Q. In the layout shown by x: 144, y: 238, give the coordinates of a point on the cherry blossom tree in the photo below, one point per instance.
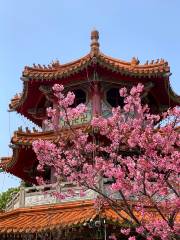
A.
x: 132, y: 156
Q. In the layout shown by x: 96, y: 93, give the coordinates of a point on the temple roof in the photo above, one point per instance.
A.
x: 58, y: 216
x: 24, y: 159
x: 56, y: 70
x: 64, y: 215
x: 132, y: 68
x: 21, y: 137
x: 156, y: 71
x: 24, y: 139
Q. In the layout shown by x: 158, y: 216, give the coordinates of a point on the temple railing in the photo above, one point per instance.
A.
x: 42, y: 195
x: 13, y: 203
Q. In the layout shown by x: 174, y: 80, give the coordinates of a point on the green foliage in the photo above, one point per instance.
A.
x: 5, y: 197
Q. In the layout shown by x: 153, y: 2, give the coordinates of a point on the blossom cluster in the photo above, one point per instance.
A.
x: 135, y: 150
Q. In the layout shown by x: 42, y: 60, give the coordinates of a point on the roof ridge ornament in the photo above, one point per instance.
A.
x: 134, y: 61
x: 94, y: 42
x: 55, y: 63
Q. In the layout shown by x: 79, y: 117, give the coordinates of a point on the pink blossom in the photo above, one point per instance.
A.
x: 138, y: 161
x: 132, y: 238
x: 140, y: 229
x: 58, y: 88
x: 123, y: 92
x: 126, y: 231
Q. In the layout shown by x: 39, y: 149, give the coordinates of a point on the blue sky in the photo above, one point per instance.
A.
x: 39, y: 31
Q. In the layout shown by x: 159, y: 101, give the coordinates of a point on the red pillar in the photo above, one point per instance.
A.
x: 96, y: 100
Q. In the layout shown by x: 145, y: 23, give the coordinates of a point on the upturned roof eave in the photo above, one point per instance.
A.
x: 57, y: 70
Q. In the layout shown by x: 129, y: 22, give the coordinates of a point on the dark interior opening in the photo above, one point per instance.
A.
x: 152, y: 104
x: 47, y: 173
x: 113, y: 98
x: 80, y: 97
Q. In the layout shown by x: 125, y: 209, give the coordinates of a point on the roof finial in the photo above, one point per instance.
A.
x: 134, y: 61
x: 55, y: 63
x: 94, y: 42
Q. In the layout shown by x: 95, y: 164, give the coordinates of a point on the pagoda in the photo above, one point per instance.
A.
x: 95, y: 79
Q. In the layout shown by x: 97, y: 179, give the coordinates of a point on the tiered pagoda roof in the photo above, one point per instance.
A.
x: 123, y: 72
x: 38, y: 81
